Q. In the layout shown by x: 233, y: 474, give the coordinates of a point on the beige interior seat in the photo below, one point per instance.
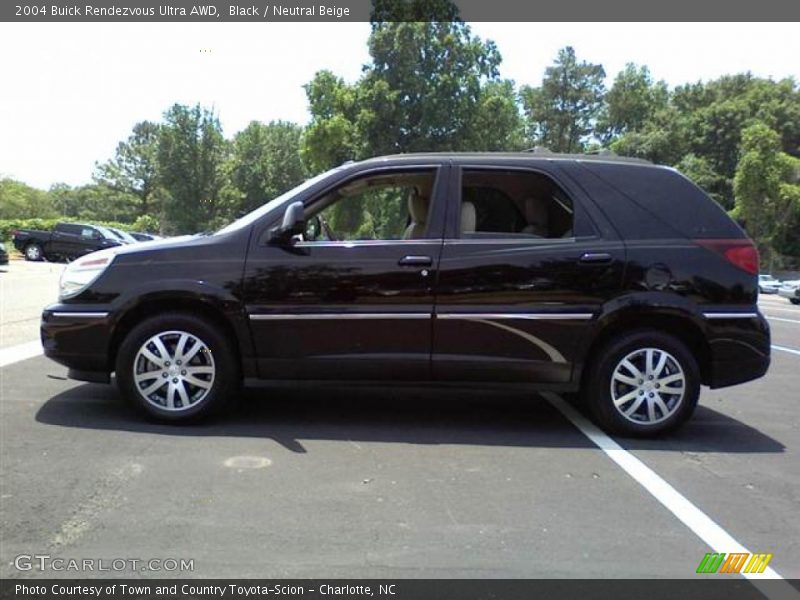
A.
x: 469, y: 217
x: 536, y: 214
x: 418, y: 207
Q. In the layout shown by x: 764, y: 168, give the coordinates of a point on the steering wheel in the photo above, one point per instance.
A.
x: 327, y: 229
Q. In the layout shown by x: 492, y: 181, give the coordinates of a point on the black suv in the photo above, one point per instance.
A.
x: 615, y: 278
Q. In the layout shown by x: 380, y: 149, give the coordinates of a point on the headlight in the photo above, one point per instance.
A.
x: 79, y: 274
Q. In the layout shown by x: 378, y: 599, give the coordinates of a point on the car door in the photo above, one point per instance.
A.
x: 65, y: 239
x: 524, y: 270
x: 353, y: 297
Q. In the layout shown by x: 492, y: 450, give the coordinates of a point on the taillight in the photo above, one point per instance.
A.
x: 741, y: 253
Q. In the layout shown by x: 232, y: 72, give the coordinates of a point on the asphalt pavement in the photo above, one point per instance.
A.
x: 389, y: 483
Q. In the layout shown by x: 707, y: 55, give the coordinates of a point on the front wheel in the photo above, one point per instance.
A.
x: 177, y: 367
x: 643, y: 383
x: 794, y: 300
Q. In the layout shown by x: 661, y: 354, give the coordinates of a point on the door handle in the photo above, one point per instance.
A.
x: 595, y: 258
x: 415, y: 261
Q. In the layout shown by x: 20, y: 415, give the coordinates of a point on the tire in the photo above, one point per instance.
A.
x: 609, y: 379
x: 192, y: 389
x: 34, y: 253
x: 794, y: 300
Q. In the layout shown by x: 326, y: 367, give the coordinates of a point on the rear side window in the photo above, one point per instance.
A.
x: 69, y: 228
x: 513, y: 204
x: 668, y: 196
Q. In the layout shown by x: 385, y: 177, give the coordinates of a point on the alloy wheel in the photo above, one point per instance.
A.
x: 174, y: 370
x: 647, y: 386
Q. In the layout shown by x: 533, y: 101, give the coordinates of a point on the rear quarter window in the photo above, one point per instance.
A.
x: 677, y: 203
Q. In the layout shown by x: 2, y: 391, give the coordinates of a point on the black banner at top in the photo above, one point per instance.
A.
x: 396, y: 10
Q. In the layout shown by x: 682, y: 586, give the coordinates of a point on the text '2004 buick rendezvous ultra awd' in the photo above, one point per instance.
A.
x: 615, y: 278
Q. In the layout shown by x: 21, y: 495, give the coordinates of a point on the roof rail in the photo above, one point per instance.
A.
x: 539, y: 150
x: 601, y: 152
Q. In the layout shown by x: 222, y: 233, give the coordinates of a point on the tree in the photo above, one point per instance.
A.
x: 21, y: 201
x: 431, y: 86
x: 134, y: 168
x: 699, y: 170
x: 191, y: 155
x: 562, y: 111
x: 767, y: 191
x: 631, y: 102
x: 266, y: 162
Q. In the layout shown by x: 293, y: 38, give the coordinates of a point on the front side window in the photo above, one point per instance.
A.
x: 513, y: 204
x: 383, y: 206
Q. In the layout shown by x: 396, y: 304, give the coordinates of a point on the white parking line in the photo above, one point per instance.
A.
x: 695, y: 519
x: 20, y: 352
x: 785, y: 349
x: 782, y: 320
x: 794, y: 311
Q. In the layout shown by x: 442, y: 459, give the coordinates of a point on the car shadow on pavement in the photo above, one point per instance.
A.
x: 392, y: 415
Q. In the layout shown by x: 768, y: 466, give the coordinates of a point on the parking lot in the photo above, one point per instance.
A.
x: 389, y: 483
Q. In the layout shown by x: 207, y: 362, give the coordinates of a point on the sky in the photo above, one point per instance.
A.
x: 72, y: 91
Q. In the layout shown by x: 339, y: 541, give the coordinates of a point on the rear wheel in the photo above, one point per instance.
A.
x: 794, y: 300
x: 177, y: 367
x: 643, y: 383
x: 33, y: 252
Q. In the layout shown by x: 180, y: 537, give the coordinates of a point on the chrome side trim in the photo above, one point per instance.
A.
x: 81, y: 315
x: 368, y: 243
x: 529, y: 241
x: 374, y: 316
x: 730, y: 315
x: 527, y: 316
x: 332, y: 316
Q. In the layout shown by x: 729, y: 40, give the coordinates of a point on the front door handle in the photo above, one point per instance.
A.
x: 595, y: 258
x: 415, y: 261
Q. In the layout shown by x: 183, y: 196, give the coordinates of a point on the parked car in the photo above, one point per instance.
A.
x: 767, y: 284
x: 615, y: 278
x: 790, y: 290
x: 66, y: 241
x: 124, y: 236
x: 3, y: 254
x: 145, y: 237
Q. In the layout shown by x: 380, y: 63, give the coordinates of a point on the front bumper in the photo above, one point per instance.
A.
x: 78, y: 338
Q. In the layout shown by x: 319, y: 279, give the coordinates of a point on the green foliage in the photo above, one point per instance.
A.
x: 134, y: 169
x: 265, y: 163
x: 631, y: 103
x: 767, y: 189
x: 18, y: 200
x: 191, y: 155
x: 431, y: 86
x: 562, y: 111
x: 699, y: 170
x: 146, y: 224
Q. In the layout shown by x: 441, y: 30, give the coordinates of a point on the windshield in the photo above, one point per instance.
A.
x: 254, y: 216
x: 107, y: 233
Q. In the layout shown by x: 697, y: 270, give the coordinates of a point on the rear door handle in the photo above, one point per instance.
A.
x: 415, y: 261
x: 595, y: 258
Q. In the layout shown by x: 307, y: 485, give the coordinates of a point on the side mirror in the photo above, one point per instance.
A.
x: 294, y: 223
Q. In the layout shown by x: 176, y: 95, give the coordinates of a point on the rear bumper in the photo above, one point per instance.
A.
x: 740, y: 349
x: 78, y: 339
